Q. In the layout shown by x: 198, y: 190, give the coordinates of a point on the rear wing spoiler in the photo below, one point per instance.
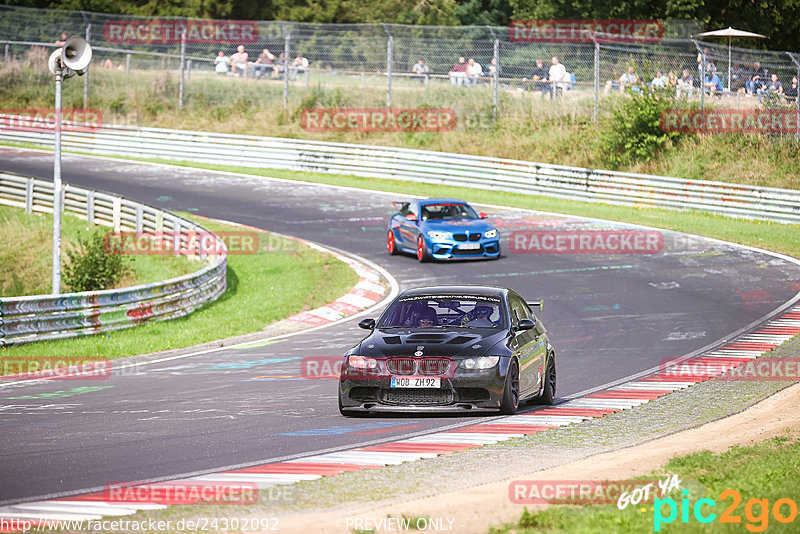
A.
x: 536, y: 304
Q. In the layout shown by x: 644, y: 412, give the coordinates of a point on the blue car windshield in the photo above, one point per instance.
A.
x: 444, y: 311
x: 447, y: 212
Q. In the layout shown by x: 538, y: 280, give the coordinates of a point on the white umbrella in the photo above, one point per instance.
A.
x: 730, y: 33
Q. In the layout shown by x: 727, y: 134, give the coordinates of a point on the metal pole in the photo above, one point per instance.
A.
x: 286, y: 66
x: 797, y: 96
x: 86, y: 72
x: 183, y: 69
x: 7, y: 53
x: 702, y: 75
x: 496, y: 76
x: 57, y: 188
x: 596, y: 78
x: 389, y: 61
x: 127, y: 63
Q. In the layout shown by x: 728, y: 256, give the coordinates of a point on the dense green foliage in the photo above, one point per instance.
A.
x: 779, y: 19
x: 91, y: 267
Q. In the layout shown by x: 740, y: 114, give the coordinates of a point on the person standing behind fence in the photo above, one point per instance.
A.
x: 239, y: 61
x: 458, y: 72
x: 421, y: 71
x: 221, y: 63
x: 474, y: 72
x: 557, y: 76
x: 63, y: 40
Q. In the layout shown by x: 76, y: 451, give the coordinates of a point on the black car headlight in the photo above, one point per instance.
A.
x: 480, y: 363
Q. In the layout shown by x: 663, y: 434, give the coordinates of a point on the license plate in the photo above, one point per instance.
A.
x: 416, y: 382
x: 469, y: 246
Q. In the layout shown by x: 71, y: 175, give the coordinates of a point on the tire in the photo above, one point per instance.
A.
x: 548, y: 394
x: 391, y: 244
x: 510, y: 402
x: 422, y: 252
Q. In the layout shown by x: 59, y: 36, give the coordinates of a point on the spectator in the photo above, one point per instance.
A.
x: 493, y: 68
x: 421, y: 72
x: 221, y: 63
x: 239, y: 61
x: 685, y: 86
x: 63, y: 40
x: 660, y: 81
x: 790, y: 94
x: 557, y: 75
x: 280, y: 66
x: 458, y: 72
x: 265, y: 61
x: 539, y: 78
x: 757, y: 78
x: 297, y: 66
x: 774, y: 87
x: 712, y: 83
x: 709, y: 63
x: 628, y: 79
x: 108, y: 64
x: 738, y: 78
x: 474, y: 72
x: 672, y: 79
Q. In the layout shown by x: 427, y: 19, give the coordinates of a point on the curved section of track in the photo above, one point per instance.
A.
x: 610, y: 316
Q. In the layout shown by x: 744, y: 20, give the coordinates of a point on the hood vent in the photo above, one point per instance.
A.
x: 426, y: 338
x: 460, y: 340
x: 393, y: 340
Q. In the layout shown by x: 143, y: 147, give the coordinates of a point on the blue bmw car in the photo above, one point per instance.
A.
x: 441, y: 229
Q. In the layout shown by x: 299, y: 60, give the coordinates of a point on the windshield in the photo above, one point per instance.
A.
x: 447, y: 212
x: 444, y: 311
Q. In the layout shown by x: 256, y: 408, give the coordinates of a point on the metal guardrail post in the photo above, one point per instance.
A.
x: 183, y: 70
x: 29, y: 195
x: 389, y: 61
x: 86, y: 73
x: 127, y: 63
x: 90, y: 207
x: 797, y: 96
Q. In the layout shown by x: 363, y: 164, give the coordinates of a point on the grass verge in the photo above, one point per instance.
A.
x: 760, y: 474
x: 25, y: 257
x: 284, y: 277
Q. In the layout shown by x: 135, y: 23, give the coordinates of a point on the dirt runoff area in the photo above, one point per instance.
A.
x: 475, y: 509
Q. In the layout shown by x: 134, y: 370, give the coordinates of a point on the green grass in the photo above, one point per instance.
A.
x: 766, y: 470
x: 283, y: 278
x: 26, y: 254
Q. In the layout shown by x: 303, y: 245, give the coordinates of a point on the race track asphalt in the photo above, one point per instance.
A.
x: 609, y: 316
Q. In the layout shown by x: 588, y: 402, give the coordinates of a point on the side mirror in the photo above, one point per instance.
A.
x: 367, y: 324
x: 483, y: 215
x: 411, y: 217
x: 525, y: 324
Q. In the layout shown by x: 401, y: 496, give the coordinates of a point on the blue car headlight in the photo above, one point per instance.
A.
x: 440, y: 236
x: 491, y: 233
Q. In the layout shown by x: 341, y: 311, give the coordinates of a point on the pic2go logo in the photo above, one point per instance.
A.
x: 757, y: 511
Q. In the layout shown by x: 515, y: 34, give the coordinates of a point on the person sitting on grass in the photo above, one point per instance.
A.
x: 221, y: 63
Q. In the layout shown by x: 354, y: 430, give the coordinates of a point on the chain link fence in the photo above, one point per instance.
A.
x: 481, y: 73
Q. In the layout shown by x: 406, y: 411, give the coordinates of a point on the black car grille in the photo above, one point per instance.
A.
x: 433, y: 366
x: 463, y: 237
x: 459, y: 252
x: 418, y: 396
x: 401, y: 366
x: 425, y: 366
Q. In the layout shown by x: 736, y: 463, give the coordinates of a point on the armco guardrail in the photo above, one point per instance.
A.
x: 574, y: 183
x: 41, y: 317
